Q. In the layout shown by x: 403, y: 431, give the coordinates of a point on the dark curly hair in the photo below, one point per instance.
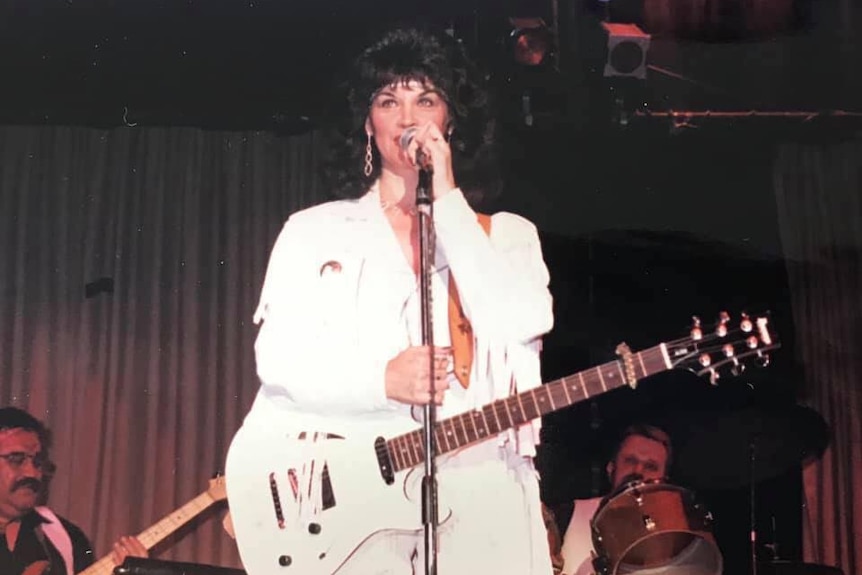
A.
x: 15, y: 418
x: 400, y: 56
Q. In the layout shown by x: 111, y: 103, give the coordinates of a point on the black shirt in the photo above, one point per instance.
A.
x: 33, y: 546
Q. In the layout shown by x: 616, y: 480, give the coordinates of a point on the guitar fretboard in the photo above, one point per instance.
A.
x: 157, y: 532
x: 408, y: 450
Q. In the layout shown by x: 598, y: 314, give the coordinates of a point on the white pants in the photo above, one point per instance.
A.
x: 495, y: 526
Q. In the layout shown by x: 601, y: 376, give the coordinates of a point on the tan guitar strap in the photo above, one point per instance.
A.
x: 460, y: 330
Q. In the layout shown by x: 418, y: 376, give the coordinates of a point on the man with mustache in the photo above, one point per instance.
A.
x: 642, y: 460
x: 643, y: 452
x: 34, y: 540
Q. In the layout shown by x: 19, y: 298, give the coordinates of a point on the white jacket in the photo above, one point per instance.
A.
x: 334, y: 302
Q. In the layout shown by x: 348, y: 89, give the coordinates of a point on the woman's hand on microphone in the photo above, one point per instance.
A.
x: 436, y: 155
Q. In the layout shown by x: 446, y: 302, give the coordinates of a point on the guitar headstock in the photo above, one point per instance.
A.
x: 729, y: 343
x: 217, y: 489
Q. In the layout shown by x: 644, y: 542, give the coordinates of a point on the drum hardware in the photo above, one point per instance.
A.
x: 743, y: 447
x: 751, y: 502
x: 649, y: 523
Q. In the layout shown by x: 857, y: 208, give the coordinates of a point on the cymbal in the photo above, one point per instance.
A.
x: 732, y: 449
x: 795, y: 568
x: 712, y: 449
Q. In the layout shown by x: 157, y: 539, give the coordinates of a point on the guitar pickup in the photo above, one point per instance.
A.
x: 276, y: 501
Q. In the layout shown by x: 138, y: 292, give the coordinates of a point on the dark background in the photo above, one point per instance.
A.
x: 645, y: 222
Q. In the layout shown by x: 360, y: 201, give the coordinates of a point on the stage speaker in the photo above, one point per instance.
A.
x: 627, y: 50
x: 141, y: 566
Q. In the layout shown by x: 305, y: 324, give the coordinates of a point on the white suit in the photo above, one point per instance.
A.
x: 339, y: 301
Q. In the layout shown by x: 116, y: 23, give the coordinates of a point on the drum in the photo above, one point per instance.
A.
x: 654, y: 527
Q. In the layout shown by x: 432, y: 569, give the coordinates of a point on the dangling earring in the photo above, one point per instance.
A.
x: 369, y: 160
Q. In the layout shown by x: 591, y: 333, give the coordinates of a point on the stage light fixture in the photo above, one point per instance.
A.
x: 532, y: 42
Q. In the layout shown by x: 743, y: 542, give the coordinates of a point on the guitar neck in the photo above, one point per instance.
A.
x: 156, y: 533
x: 408, y: 451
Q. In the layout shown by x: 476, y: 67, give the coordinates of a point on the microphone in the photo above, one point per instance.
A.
x: 422, y: 159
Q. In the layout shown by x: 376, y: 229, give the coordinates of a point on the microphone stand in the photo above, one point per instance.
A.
x: 752, y: 518
x: 426, y: 258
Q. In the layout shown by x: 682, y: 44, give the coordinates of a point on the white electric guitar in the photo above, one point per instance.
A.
x: 304, y: 506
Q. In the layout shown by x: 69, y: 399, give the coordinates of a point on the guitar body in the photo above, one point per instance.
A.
x: 305, y: 506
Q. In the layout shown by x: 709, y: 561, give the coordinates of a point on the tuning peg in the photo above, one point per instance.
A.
x: 763, y: 330
x: 746, y: 325
x: 721, y: 327
x: 696, y: 331
x: 762, y: 359
x: 738, y: 368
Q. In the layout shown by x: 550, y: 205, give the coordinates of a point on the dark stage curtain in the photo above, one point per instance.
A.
x: 130, y: 266
x: 699, y: 17
x: 820, y: 217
